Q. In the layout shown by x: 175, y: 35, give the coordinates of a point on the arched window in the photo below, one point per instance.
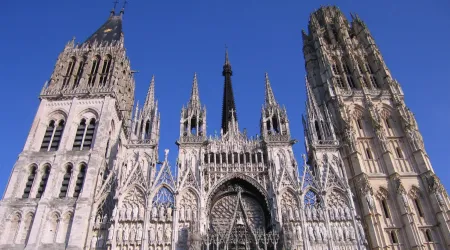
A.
x: 359, y: 122
x: 147, y: 130
x: 52, y: 136
x: 369, y: 154
x: 51, y: 228
x: 428, y: 235
x: 43, y: 183
x: 65, y: 182
x: 211, y: 157
x: 69, y: 72
x: 385, y: 208
x: 310, y: 198
x: 319, y: 135
x: 247, y: 157
x: 259, y: 155
x: 105, y: 70
x: 418, y: 207
x: 230, y: 158
x: 80, y: 181
x: 84, y: 135
x: 394, y: 238
x: 217, y: 158
x: 27, y: 223
x: 79, y: 74
x: 241, y: 158
x: 30, y: 181
x: 13, y: 228
x: 339, y: 82
x: 94, y: 71
x: 388, y: 124
x: 399, y: 152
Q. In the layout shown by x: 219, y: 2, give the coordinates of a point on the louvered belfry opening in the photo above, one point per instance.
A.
x: 89, y: 136
x: 85, y: 135
x: 43, y: 183
x: 48, y: 136
x: 65, y: 182
x: 30, y: 181
x: 80, y: 181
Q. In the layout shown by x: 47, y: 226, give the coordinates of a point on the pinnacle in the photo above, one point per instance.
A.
x: 269, y: 98
x: 195, y: 98
x: 150, y: 100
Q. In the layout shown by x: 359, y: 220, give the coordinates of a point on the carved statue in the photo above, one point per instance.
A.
x: 133, y: 233
x: 152, y: 235
x: 348, y: 214
x: 320, y: 214
x: 168, y: 234
x: 311, y: 234
x: 135, y: 212
x: 440, y: 198
x: 119, y: 233
x: 317, y: 233
x: 369, y: 200
x: 382, y: 138
x: 335, y: 233
x: 128, y: 213
x: 341, y: 213
x: 100, y: 242
x: 139, y: 233
x: 314, y: 213
x: 336, y: 213
x: 194, y: 215
x: 331, y: 213
x: 297, y: 214
x: 323, y: 232
x: 160, y: 233
x: 182, y: 214
x: 308, y: 214
x: 405, y: 199
x: 105, y: 218
x: 362, y: 235
x: 340, y: 233
x: 291, y: 214
x: 188, y: 214
x: 94, y: 242
x: 346, y: 234
x: 351, y: 232
x: 154, y: 213
x: 299, y: 232
x: 111, y: 232
x: 126, y: 233
x: 114, y: 212
x: 162, y: 217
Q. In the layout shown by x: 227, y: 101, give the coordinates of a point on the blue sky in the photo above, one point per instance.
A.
x: 173, y: 39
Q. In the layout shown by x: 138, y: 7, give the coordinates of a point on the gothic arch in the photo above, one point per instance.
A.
x: 88, y: 114
x: 57, y: 115
x: 159, y: 187
x: 239, y: 176
x: 415, y: 192
x: 382, y: 194
x: 135, y: 186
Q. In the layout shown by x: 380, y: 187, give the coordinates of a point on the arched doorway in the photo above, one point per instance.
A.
x: 237, y: 213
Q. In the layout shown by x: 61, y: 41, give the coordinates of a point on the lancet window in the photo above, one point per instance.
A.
x: 80, y: 181
x: 30, y: 181
x: 51, y: 228
x: 52, y: 136
x: 13, y: 228
x: 418, y: 206
x: 84, y: 135
x: 44, y: 179
x: 94, y: 71
x: 394, y: 238
x: 69, y: 72
x: 65, y: 182
x: 385, y: 208
x: 105, y: 70
x: 79, y: 74
x: 428, y: 235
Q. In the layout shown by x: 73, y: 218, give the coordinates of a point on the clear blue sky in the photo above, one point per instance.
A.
x: 173, y: 39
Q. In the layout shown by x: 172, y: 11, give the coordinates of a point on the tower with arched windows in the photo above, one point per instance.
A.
x: 371, y: 135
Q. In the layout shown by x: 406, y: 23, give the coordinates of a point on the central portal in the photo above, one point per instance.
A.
x: 238, y: 212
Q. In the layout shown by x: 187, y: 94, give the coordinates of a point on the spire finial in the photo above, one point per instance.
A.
x: 122, y: 11
x: 113, y: 11
x: 195, y: 98
x: 269, y: 98
x: 227, y: 62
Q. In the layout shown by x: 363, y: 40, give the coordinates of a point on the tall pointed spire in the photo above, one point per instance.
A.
x: 228, y: 105
x: 150, y: 99
x: 312, y: 108
x: 269, y: 98
x: 194, y: 102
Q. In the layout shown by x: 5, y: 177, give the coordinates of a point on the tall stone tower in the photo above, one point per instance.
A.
x: 359, y: 117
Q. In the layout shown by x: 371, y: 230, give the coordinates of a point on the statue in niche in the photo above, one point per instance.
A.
x: 182, y: 214
x: 105, y: 219
x: 168, y: 234
x: 340, y: 233
x: 369, y: 200
x: 139, y: 233
x: 348, y: 214
x: 154, y: 213
x: 119, y: 233
x: 133, y: 233
x: 362, y: 235
x: 169, y: 213
x: 128, y: 213
x: 161, y: 214
x: 126, y: 233
x: 352, y: 233
x: 405, y: 199
x: 194, y: 215
x: 341, y: 213
x: 111, y: 232
x: 291, y: 215
x: 114, y: 212
x: 314, y: 213
x: 308, y: 214
x: 336, y: 213
x: 122, y: 213
x: 320, y: 214
x: 323, y: 232
x: 297, y: 214
x: 331, y: 213
x: 135, y: 212
x: 317, y: 233
x: 299, y: 232
x: 440, y: 198
x: 188, y: 214
x: 346, y: 234
x: 160, y: 233
x: 311, y: 233
x: 152, y: 235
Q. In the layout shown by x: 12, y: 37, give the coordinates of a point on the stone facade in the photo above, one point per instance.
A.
x: 89, y: 176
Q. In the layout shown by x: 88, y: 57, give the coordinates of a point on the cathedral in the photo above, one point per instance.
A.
x: 90, y: 177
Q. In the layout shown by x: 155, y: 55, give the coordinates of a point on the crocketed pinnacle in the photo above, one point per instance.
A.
x: 194, y: 102
x: 228, y: 104
x: 269, y: 97
x: 150, y: 99
x: 312, y: 108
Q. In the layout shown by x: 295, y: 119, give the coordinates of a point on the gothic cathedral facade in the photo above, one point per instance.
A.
x: 89, y: 175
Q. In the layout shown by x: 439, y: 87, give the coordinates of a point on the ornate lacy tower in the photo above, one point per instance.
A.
x: 358, y: 118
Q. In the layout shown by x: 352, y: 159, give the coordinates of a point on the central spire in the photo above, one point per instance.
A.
x: 228, y: 105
